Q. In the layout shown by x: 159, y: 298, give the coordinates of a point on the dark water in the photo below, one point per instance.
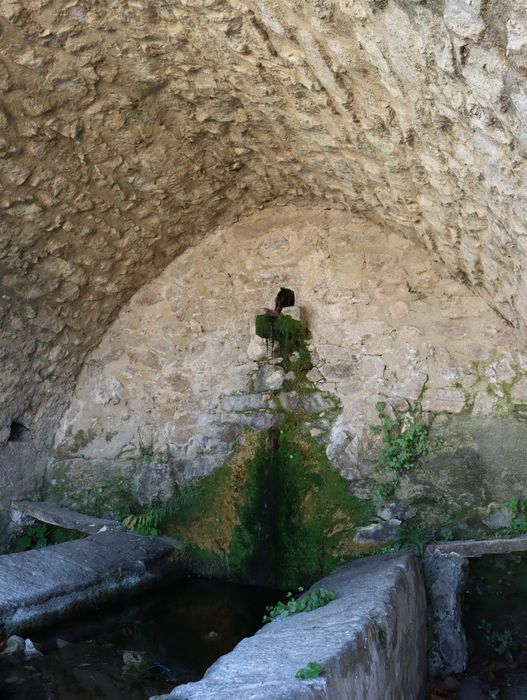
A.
x: 495, y: 620
x: 177, y: 633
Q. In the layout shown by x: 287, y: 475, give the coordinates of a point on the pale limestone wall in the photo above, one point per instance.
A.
x: 130, y: 129
x: 176, y: 368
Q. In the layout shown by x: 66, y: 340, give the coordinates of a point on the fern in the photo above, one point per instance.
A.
x: 148, y: 522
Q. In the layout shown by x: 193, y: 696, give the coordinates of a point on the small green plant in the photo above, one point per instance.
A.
x: 405, y: 439
x: 42, y: 535
x: 386, y: 489
x: 386, y: 549
x: 310, y: 601
x: 149, y: 521
x: 501, y: 642
x: 146, y: 451
x: 312, y: 670
x: 410, y: 536
x: 517, y: 527
x: 446, y: 535
x: 517, y: 506
x: 34, y: 537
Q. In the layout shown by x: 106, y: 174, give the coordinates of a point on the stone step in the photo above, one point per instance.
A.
x: 53, y: 514
x: 479, y: 548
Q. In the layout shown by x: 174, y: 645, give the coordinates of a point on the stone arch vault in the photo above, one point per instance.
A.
x: 130, y: 129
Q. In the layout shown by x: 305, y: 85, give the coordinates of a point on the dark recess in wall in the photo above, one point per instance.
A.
x: 284, y: 298
x: 19, y: 432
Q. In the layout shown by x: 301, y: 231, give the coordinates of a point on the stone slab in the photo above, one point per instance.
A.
x: 371, y: 642
x: 479, y: 548
x: 445, y: 578
x: 39, y: 586
x: 53, y: 514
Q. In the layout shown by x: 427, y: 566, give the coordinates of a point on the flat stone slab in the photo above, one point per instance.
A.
x: 41, y: 585
x: 54, y: 514
x: 479, y: 548
x: 371, y: 642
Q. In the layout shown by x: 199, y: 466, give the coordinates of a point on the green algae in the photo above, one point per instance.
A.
x: 286, y: 337
x: 278, y: 514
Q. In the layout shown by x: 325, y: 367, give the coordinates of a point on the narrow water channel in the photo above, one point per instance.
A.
x: 141, y: 648
x: 495, y: 620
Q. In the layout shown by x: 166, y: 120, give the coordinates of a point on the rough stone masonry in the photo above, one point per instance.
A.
x: 131, y: 130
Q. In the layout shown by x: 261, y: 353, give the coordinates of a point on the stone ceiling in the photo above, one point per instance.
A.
x: 129, y: 129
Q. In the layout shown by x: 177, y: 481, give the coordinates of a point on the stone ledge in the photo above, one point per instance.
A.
x: 54, y: 514
x: 39, y: 586
x: 479, y: 548
x: 363, y: 639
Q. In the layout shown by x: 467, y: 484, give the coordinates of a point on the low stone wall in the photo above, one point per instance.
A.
x: 41, y: 586
x: 371, y: 642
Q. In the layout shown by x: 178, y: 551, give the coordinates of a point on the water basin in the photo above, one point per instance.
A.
x: 141, y: 648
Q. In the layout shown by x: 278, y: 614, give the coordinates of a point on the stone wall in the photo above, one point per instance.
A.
x: 128, y: 130
x: 370, y: 642
x: 181, y: 372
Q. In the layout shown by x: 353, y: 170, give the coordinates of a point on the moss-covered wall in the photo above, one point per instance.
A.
x: 277, y: 514
x: 184, y: 372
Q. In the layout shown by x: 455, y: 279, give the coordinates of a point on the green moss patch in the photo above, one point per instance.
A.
x: 288, y: 338
x: 278, y: 514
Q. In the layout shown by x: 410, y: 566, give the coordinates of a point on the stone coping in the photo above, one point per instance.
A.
x: 41, y: 585
x: 53, y: 514
x: 371, y: 642
x: 479, y: 548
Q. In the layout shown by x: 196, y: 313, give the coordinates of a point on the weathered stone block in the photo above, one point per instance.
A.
x: 269, y: 378
x: 463, y: 18
x: 445, y: 577
x: 500, y: 518
x: 379, y: 532
x: 293, y: 311
x: 304, y: 403
x: 244, y: 402
x: 519, y: 391
x: 445, y: 399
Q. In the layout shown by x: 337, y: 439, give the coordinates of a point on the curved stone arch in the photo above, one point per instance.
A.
x: 128, y: 132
